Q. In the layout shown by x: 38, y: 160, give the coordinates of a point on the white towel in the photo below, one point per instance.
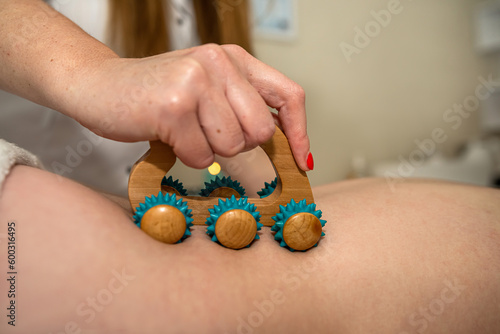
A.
x: 11, y: 155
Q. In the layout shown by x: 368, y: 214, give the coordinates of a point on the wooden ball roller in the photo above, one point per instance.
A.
x: 225, y: 192
x: 302, y: 231
x: 170, y: 190
x: 236, y: 228
x: 164, y: 223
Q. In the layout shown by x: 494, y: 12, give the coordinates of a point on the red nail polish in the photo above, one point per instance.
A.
x: 310, y: 161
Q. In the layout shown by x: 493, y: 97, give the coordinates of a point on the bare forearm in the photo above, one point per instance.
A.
x: 201, y: 101
x: 44, y: 55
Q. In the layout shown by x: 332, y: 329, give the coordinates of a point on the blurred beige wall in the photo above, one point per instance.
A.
x: 394, y: 91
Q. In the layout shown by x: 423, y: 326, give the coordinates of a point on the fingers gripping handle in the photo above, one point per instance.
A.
x: 147, y: 173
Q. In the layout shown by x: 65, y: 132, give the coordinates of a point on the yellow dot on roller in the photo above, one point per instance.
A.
x: 214, y: 169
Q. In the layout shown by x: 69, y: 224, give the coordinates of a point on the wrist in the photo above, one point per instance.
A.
x: 79, y: 82
x: 97, y: 96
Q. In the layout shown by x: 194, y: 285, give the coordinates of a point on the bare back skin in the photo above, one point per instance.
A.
x: 421, y: 258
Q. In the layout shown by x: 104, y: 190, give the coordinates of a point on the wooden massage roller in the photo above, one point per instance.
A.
x: 165, y: 212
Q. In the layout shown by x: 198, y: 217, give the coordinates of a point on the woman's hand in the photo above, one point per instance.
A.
x: 201, y: 101
x: 204, y: 100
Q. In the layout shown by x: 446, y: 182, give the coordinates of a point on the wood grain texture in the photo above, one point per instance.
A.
x: 224, y: 192
x: 302, y: 231
x: 147, y: 173
x: 236, y: 228
x: 168, y: 189
x: 164, y: 223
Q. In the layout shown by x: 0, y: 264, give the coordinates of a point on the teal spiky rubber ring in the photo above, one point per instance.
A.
x: 174, y: 184
x: 268, y: 188
x: 233, y: 223
x: 165, y: 200
x: 224, y: 182
x: 291, y: 210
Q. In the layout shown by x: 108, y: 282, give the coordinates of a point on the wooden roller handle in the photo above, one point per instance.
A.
x: 149, y: 170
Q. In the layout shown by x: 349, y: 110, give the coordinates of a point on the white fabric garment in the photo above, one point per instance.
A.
x: 62, y: 144
x: 11, y: 155
x: 91, y: 16
x: 182, y: 32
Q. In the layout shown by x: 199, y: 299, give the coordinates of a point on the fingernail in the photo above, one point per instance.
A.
x: 310, y: 161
